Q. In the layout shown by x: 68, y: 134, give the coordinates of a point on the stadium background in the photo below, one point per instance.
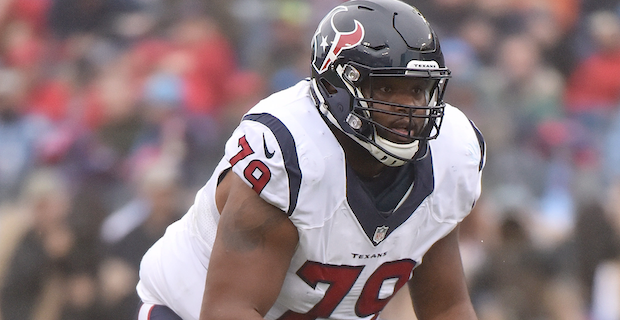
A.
x: 114, y: 112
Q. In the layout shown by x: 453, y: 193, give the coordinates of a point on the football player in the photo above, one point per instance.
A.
x: 333, y: 194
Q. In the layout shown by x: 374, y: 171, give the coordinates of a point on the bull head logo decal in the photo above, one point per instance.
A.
x: 342, y: 40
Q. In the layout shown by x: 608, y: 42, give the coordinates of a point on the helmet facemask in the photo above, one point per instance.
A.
x: 411, y: 125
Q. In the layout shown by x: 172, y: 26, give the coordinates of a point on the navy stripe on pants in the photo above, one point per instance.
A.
x: 156, y: 312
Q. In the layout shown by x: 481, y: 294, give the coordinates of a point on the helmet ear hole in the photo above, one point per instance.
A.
x: 328, y: 86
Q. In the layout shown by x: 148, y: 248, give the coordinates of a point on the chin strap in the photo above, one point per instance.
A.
x: 403, y: 151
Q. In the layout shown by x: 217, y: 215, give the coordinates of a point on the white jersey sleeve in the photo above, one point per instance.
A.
x: 458, y: 158
x: 256, y: 156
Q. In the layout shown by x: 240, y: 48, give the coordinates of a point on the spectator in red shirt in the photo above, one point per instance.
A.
x: 594, y: 85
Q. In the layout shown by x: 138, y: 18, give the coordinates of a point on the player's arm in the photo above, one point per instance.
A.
x: 253, y: 248
x: 438, y: 287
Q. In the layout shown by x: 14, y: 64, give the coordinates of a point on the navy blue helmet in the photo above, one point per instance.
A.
x: 361, y: 41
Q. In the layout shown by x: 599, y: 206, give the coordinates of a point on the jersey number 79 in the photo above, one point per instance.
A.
x: 341, y: 280
x: 256, y: 172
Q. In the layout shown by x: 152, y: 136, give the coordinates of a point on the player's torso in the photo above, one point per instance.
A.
x: 338, y: 273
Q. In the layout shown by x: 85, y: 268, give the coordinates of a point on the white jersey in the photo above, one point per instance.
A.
x: 351, y: 258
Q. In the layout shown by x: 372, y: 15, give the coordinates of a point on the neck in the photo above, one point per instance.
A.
x: 360, y: 160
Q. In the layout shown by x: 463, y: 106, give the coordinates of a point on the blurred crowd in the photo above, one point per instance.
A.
x: 114, y: 112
